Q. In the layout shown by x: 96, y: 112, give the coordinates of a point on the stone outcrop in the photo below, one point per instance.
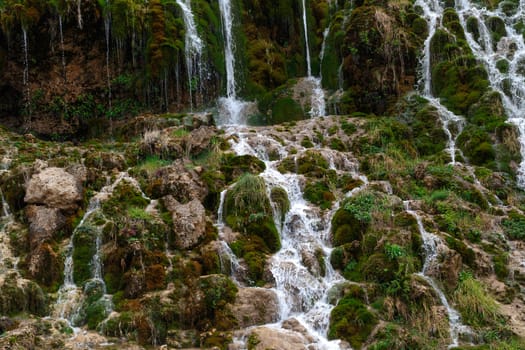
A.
x: 189, y: 221
x: 55, y: 188
x: 44, y: 222
x: 255, y: 306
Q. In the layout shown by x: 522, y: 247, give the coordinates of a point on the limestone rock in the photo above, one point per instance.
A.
x: 44, y: 222
x: 181, y: 183
x: 278, y: 339
x: 189, y: 221
x: 255, y: 306
x: 55, y: 188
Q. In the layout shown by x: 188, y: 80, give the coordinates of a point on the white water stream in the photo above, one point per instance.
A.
x: 430, y: 246
x: 70, y: 296
x: 302, y: 289
x: 510, y: 48
x: 232, y: 110
x: 193, y: 49
x: 452, y: 123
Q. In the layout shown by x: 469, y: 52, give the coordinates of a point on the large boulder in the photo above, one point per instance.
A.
x: 189, y: 221
x: 255, y: 306
x: 55, y: 188
x: 278, y: 339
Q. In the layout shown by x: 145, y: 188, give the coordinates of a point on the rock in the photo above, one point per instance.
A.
x: 255, y: 306
x: 22, y: 338
x: 44, y: 264
x: 294, y: 325
x: 277, y: 339
x: 6, y: 324
x: 199, y: 140
x: 55, y: 188
x: 44, y: 222
x: 181, y: 183
x: 189, y: 221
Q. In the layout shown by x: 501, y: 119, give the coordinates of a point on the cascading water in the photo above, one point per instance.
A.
x: 430, y: 246
x: 193, y: 49
x: 232, y: 110
x: 8, y: 262
x: 317, y: 101
x: 107, y: 31
x: 61, y: 32
x: 433, y: 12
x: 79, y: 14
x: 70, y: 296
x: 508, y: 51
x: 302, y: 291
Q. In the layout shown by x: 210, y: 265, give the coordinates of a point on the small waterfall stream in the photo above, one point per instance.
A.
x: 430, y: 246
x: 193, y: 49
x: 232, y: 110
x: 318, y: 105
x: 302, y: 290
x: 452, y: 124
x: 508, y: 51
x: 71, y: 296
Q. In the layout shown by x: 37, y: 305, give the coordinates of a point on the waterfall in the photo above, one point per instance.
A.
x: 317, y: 101
x: 302, y: 291
x: 307, y: 45
x: 193, y: 49
x: 61, y: 32
x: 430, y: 246
x: 432, y: 12
x: 79, y: 14
x: 510, y: 83
x: 232, y: 110
x: 107, y: 30
x: 70, y: 296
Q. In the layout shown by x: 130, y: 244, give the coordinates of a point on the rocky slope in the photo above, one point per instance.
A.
x: 394, y: 222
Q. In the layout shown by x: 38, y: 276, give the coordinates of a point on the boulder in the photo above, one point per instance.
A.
x: 181, y: 183
x: 278, y: 339
x: 44, y: 222
x: 255, y: 306
x: 55, y: 188
x: 189, y: 221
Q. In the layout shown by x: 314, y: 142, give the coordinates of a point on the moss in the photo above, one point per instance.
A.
x: 218, y: 291
x: 346, y: 227
x: 84, y: 249
x: 319, y: 193
x: 96, y: 312
x: 467, y: 254
x: 514, y: 226
x: 279, y: 197
x: 235, y: 166
x: 284, y: 110
x: 350, y: 320
x: 312, y: 164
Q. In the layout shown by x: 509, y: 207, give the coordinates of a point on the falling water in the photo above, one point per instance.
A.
x: 302, y: 292
x: 79, y: 14
x: 307, y: 45
x: 70, y: 296
x: 432, y: 12
x: 107, y: 29
x: 62, y: 47
x: 317, y: 101
x: 193, y: 49
x: 26, y: 59
x: 232, y: 110
x: 509, y: 83
x: 430, y: 246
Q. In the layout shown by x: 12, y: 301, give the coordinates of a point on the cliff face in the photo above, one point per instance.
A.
x: 112, y: 60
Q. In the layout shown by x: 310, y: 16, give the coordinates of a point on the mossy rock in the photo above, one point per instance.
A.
x: 265, y: 229
x: 218, y: 290
x: 379, y: 268
x: 84, y: 239
x: 235, y: 166
x: 284, y: 110
x: 319, y: 194
x: 312, y: 164
x: 246, y: 197
x: 280, y: 199
x: 16, y: 299
x: 350, y: 320
x: 346, y: 227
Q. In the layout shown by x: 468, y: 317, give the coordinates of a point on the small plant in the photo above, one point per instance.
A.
x: 394, y: 251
